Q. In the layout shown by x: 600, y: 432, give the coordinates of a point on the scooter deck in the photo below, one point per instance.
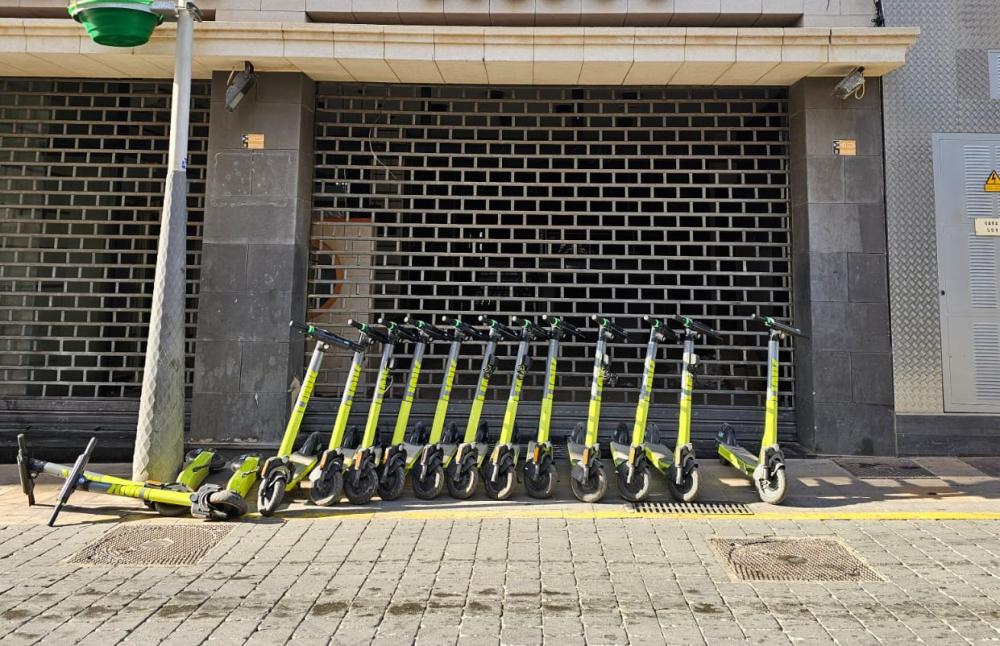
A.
x: 302, y: 466
x: 660, y: 456
x: 739, y: 457
x: 575, y: 451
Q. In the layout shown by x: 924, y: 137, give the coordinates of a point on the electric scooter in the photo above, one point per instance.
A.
x: 539, y: 469
x: 499, y: 470
x: 429, y: 477
x: 587, y: 478
x: 285, y: 471
x: 209, y: 501
x: 464, y: 454
x: 328, y: 477
x: 361, y: 464
x: 401, y: 455
x: 767, y: 468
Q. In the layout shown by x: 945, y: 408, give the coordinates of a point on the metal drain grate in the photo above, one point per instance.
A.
x: 693, y: 508
x: 792, y: 559
x: 152, y: 545
x: 989, y: 466
x: 883, y: 468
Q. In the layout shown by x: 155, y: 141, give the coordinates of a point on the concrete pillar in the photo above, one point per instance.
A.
x: 844, y: 370
x: 254, y: 262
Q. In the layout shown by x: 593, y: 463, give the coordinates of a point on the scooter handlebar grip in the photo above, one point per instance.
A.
x: 405, y: 332
x: 369, y: 331
x: 468, y: 330
x: 775, y: 325
x: 299, y: 327
x: 432, y: 331
x: 500, y: 328
x: 534, y: 330
x: 334, y: 339
x: 613, y: 329
x: 697, y: 326
x: 565, y: 326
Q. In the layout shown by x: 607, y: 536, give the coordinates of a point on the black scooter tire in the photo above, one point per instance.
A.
x: 641, y: 481
x: 503, y: 488
x: 361, y: 489
x: 462, y: 488
x: 226, y: 505
x: 390, y: 485
x: 594, y: 489
x: 774, y: 490
x: 541, y: 486
x: 687, y: 490
x: 327, y: 489
x: 430, y: 487
x: 270, y: 493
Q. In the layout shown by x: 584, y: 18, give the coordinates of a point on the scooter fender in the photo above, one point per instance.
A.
x: 274, y: 462
x: 533, y: 469
x: 774, y: 459
x: 503, y: 457
x: 431, y: 458
x: 361, y: 461
x: 393, y: 457
x: 331, y: 459
x: 581, y: 469
x: 199, y: 501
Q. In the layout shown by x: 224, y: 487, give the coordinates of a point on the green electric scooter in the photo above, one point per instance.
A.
x: 361, y: 464
x: 285, y: 471
x: 429, y: 476
x: 767, y: 468
x: 539, y: 468
x: 328, y: 478
x: 464, y: 454
x: 208, y: 501
x: 588, y: 480
x: 404, y: 451
x: 499, y: 470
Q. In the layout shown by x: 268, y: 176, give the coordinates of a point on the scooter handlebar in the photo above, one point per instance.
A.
x: 499, y: 328
x: 396, y: 330
x: 532, y: 329
x: 561, y: 324
x: 369, y: 331
x: 431, y: 331
x: 697, y: 326
x: 661, y: 328
x: 325, y: 336
x: 72, y: 480
x: 466, y: 329
x: 616, y: 332
x: 770, y: 323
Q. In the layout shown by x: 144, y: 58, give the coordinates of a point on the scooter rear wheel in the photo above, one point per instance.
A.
x: 639, y: 488
x: 462, y: 487
x: 328, y: 487
x: 226, y: 505
x: 542, y: 485
x: 390, y: 485
x: 271, y: 493
x: 430, y: 487
x: 361, y: 489
x: 687, y: 490
x: 594, y: 488
x: 503, y: 487
x: 773, y: 490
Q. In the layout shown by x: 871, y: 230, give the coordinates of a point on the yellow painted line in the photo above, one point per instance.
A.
x: 598, y: 514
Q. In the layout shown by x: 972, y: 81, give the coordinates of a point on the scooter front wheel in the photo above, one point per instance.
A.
x: 772, y: 490
x: 687, y: 490
x: 390, y: 485
x: 327, y: 488
x: 361, y: 488
x: 503, y: 487
x: 542, y: 484
x: 594, y: 488
x: 271, y: 493
x: 463, y: 486
x: 431, y: 486
x: 226, y: 505
x: 639, y: 487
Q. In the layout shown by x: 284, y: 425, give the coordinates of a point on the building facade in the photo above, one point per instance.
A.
x: 504, y: 158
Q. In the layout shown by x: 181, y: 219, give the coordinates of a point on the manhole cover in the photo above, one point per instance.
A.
x: 152, y: 545
x: 694, y: 508
x: 883, y: 468
x: 989, y: 466
x: 792, y: 559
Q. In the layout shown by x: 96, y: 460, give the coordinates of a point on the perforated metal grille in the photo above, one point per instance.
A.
x: 792, y: 559
x: 527, y: 201
x: 671, y: 508
x: 152, y: 544
x: 82, y: 165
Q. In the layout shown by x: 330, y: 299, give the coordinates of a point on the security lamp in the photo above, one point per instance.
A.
x: 852, y: 84
x: 239, y: 84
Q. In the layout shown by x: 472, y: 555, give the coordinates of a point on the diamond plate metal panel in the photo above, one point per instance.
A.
x: 944, y: 87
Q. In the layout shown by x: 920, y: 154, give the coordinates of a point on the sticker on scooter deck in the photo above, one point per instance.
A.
x: 152, y: 544
x: 871, y: 468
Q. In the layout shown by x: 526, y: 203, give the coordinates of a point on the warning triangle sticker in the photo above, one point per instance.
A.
x: 993, y: 183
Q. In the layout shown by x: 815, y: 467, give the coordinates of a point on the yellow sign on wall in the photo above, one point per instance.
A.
x: 993, y: 183
x: 253, y: 141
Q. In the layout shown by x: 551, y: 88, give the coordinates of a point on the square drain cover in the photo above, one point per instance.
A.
x: 694, y: 508
x: 792, y: 559
x: 989, y: 466
x: 152, y: 544
x: 883, y: 468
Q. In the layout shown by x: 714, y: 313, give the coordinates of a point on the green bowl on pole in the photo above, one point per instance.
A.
x: 116, y: 23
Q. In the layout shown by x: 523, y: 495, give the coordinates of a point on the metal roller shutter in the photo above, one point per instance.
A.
x: 530, y: 201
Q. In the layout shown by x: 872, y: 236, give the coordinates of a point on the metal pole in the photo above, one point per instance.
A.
x: 159, y: 441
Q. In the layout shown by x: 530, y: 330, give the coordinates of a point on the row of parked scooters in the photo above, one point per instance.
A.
x: 437, y: 458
